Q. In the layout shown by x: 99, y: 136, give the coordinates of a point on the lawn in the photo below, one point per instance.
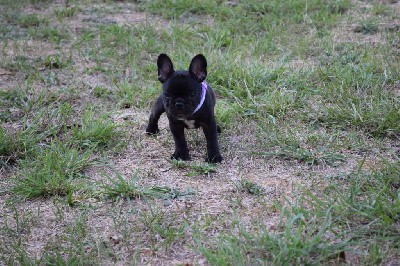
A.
x: 308, y: 99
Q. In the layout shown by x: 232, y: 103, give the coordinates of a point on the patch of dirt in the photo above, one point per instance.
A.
x: 6, y: 78
x: 299, y: 64
x: 128, y: 18
x: 30, y: 49
x: 345, y: 32
x: 123, y: 14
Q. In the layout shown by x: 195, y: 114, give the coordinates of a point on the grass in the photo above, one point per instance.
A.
x: 245, y: 185
x: 307, y: 98
x: 367, y: 27
x: 197, y: 169
x: 30, y: 20
x: 294, y: 242
x: 6, y: 147
x: 67, y: 12
x: 51, y: 173
x: 50, y: 33
x: 359, y: 217
x: 94, y: 131
x: 130, y: 189
x: 19, y: 146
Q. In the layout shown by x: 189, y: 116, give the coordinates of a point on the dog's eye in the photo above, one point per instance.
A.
x: 167, y: 94
x: 193, y: 94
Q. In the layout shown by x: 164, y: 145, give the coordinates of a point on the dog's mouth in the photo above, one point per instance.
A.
x: 180, y: 115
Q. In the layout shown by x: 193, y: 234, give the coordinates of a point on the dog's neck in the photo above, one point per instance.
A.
x: 203, y: 96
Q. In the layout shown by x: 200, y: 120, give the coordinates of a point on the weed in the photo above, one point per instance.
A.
x: 50, y: 33
x: 121, y: 188
x: 339, y: 7
x: 161, y: 227
x: 300, y: 239
x: 31, y: 20
x: 67, y: 12
x: 55, y: 62
x: 20, y: 63
x: 94, y: 132
x: 370, y: 198
x: 308, y: 156
x: 198, y: 169
x: 363, y: 103
x: 39, y: 3
x: 367, y: 27
x: 100, y: 91
x: 6, y: 147
x: 72, y: 246
x: 340, y: 220
x: 313, y: 148
x: 381, y: 9
x: 246, y: 185
x: 51, y: 172
x: 17, y: 224
x: 23, y: 144
x: 23, y: 98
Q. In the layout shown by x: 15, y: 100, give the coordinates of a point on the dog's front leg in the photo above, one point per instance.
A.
x: 210, y: 131
x: 181, y: 149
x: 158, y: 109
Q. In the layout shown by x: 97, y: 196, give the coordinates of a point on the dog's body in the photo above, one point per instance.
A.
x: 189, y: 103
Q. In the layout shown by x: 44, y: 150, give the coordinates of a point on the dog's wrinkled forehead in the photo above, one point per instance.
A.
x: 180, y: 82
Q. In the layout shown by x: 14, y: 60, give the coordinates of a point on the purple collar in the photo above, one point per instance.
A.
x: 203, y: 96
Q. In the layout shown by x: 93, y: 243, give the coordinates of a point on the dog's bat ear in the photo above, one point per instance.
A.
x: 165, y: 67
x: 198, y: 68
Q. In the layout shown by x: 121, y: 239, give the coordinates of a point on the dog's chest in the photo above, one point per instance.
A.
x: 189, y: 123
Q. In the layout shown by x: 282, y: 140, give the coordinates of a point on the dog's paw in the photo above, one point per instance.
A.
x: 180, y: 156
x: 217, y: 158
x: 151, y: 130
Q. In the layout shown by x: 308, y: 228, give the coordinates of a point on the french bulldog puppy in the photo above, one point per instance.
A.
x: 188, y: 102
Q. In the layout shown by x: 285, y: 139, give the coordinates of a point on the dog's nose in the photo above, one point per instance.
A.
x: 179, y: 105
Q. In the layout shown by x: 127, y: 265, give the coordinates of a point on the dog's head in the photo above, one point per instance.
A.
x: 182, y: 90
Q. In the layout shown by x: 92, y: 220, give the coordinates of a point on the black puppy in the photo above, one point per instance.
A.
x: 189, y: 103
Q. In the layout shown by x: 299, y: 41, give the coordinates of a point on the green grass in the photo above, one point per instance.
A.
x: 367, y: 27
x: 307, y: 97
x: 59, y: 249
x: 363, y: 102
x: 51, y: 173
x: 30, y: 20
x: 67, y: 12
x: 130, y: 189
x: 22, y: 98
x: 163, y: 228
x: 6, y: 147
x: 298, y: 240
x: 94, y: 131
x: 248, y: 186
x: 20, y: 145
x: 196, y: 169
x: 56, y: 62
x: 50, y: 33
